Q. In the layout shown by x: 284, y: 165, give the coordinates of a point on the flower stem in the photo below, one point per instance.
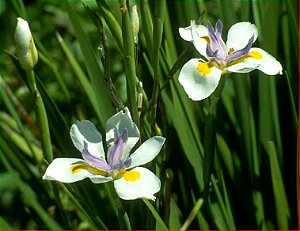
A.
x: 128, y: 51
x: 158, y: 219
x: 193, y: 214
x: 41, y: 116
x: 124, y: 222
x: 216, y: 95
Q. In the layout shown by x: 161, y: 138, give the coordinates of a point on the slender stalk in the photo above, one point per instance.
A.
x: 128, y: 52
x: 124, y: 222
x: 155, y: 214
x: 159, y: 14
x: 111, y: 22
x: 41, y: 116
x: 193, y: 214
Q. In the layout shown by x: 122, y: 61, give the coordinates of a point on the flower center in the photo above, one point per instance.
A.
x: 131, y: 176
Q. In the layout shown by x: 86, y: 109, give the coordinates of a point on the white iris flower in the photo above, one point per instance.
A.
x: 200, y: 77
x: 130, y: 181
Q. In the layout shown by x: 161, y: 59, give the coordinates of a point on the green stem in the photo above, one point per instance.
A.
x: 124, y: 222
x: 160, y: 222
x: 41, y: 116
x: 193, y: 214
x: 216, y: 95
x: 159, y: 14
x: 128, y: 52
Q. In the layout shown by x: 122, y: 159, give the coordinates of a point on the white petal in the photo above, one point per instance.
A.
x: 145, y: 187
x: 86, y: 131
x: 147, y: 151
x: 268, y: 64
x: 186, y: 33
x: 122, y: 120
x: 197, y: 85
x: 239, y: 35
x: 60, y: 170
x: 261, y: 61
x: 97, y: 179
x: 200, y: 37
x: 246, y: 66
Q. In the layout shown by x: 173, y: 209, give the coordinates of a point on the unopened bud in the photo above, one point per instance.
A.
x: 26, y: 51
x: 135, y: 23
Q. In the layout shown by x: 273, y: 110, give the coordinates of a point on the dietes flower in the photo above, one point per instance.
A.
x: 26, y: 51
x: 200, y: 77
x: 121, y: 167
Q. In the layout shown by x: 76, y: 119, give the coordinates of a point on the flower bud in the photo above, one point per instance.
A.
x: 26, y: 51
x: 135, y: 24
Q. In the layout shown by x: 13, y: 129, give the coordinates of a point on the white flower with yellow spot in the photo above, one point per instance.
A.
x: 130, y: 181
x: 200, y: 77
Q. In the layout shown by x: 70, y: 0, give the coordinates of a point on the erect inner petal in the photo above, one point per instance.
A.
x: 92, y: 160
x: 253, y: 54
x: 239, y: 53
x: 77, y: 167
x: 116, y: 151
x: 132, y: 176
x: 216, y: 48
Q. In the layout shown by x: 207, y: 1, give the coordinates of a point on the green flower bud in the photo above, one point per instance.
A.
x: 135, y: 24
x: 26, y: 51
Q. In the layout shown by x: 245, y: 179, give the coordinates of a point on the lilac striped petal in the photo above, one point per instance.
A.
x: 216, y: 48
x: 116, y: 151
x: 120, y: 121
x: 236, y: 54
x: 92, y: 160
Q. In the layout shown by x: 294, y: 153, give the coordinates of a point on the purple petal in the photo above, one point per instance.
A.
x: 116, y: 151
x: 216, y: 48
x: 219, y: 27
x: 236, y: 54
x: 92, y: 160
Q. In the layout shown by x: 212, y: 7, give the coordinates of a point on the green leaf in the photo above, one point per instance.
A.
x: 281, y: 202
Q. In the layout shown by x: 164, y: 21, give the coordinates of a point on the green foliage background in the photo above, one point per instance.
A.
x: 234, y: 167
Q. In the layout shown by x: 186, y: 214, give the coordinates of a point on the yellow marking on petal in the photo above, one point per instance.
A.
x: 255, y: 55
x: 131, y: 176
x: 76, y: 168
x: 206, y: 38
x: 251, y: 55
x: 204, y: 68
x: 230, y: 51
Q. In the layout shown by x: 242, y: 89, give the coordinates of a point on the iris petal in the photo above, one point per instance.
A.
x: 238, y: 53
x: 60, y: 169
x: 116, y: 151
x: 239, y: 35
x: 120, y: 121
x: 199, y: 37
x: 143, y: 186
x: 147, y: 151
x: 92, y: 160
x: 199, y: 85
x: 85, y: 131
x: 216, y: 47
